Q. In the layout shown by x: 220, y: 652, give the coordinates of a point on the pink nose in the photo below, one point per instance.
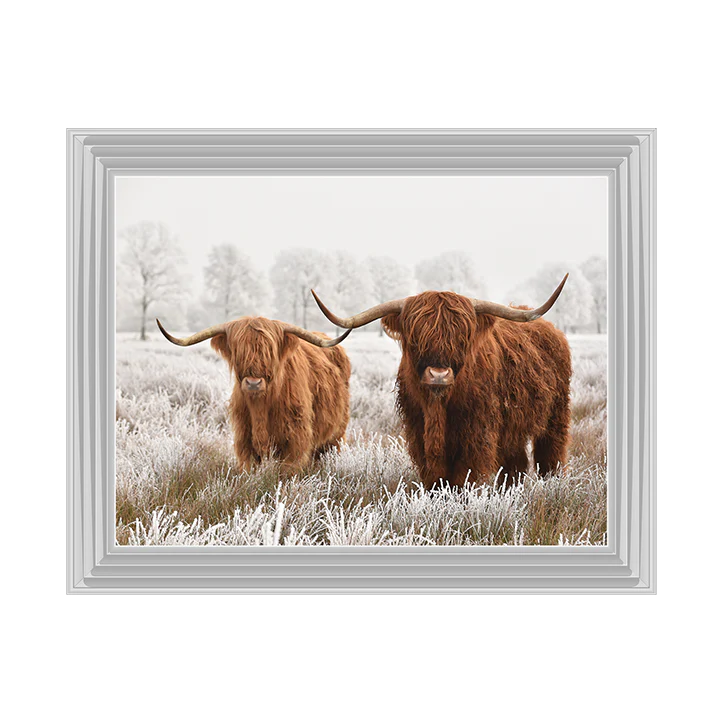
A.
x: 253, y: 384
x: 438, y: 376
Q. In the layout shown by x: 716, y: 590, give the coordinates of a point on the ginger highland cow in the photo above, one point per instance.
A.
x: 476, y: 382
x: 291, y: 388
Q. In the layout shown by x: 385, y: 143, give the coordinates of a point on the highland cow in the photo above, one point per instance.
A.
x: 290, y: 397
x: 475, y: 384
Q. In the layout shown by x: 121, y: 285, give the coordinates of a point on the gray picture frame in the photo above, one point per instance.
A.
x: 627, y: 157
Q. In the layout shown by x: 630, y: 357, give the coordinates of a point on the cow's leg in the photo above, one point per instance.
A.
x: 550, y: 448
x: 242, y: 439
x: 461, y: 471
x: 415, y: 447
x: 296, y: 465
x: 245, y: 456
x: 299, y: 436
x: 514, y: 464
x: 433, y: 476
x: 435, y: 438
x: 477, y: 462
x: 297, y: 453
x: 327, y: 447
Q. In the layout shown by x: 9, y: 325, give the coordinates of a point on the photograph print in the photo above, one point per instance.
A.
x: 361, y: 360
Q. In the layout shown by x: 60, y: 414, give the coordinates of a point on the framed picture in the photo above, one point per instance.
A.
x: 379, y: 361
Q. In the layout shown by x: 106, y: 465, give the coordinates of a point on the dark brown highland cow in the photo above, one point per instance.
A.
x: 475, y: 384
x: 290, y: 397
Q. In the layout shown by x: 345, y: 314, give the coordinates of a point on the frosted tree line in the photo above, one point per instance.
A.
x: 150, y: 273
x: 152, y: 280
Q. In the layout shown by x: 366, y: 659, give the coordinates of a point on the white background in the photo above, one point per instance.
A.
x: 311, y: 64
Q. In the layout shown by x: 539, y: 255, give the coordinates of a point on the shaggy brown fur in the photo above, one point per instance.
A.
x: 511, y: 384
x: 304, y: 406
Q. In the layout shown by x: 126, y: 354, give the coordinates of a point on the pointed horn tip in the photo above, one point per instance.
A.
x: 318, y: 301
x: 333, y: 318
x: 166, y: 334
x: 172, y: 339
x: 333, y: 342
x: 562, y: 283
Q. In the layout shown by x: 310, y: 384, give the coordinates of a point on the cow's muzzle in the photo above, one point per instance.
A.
x: 438, y: 376
x: 254, y: 385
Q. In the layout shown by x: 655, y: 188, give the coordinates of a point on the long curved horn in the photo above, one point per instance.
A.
x: 365, y: 317
x: 508, y: 312
x: 194, y: 338
x: 312, y: 338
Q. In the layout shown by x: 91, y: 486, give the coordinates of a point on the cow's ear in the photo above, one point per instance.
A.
x: 392, y: 325
x: 290, y: 342
x: 219, y: 344
x: 485, y: 322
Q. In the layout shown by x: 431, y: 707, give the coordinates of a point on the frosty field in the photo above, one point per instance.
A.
x: 177, y: 484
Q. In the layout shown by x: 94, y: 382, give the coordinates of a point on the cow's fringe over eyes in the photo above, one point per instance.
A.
x: 439, y: 328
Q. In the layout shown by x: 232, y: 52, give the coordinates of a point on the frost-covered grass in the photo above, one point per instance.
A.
x: 177, y: 484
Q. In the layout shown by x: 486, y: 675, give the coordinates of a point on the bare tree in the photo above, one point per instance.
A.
x: 450, y: 271
x: 149, y: 269
x: 595, y: 270
x: 294, y: 272
x: 235, y: 288
x: 390, y: 280
x: 574, y: 307
x: 348, y: 285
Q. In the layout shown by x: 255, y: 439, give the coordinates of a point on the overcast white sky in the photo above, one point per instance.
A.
x: 510, y: 225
